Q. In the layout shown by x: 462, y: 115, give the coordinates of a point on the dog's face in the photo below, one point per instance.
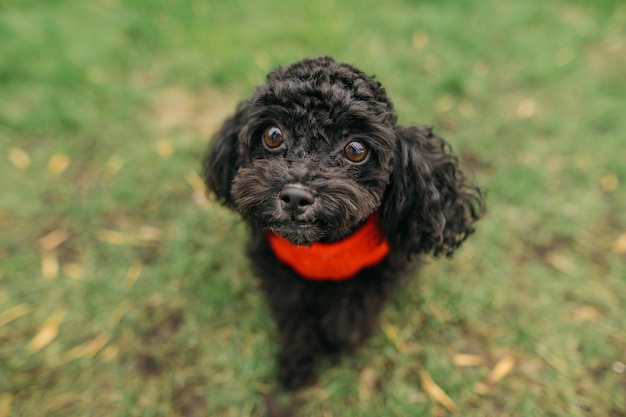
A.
x: 315, y: 152
x: 317, y: 149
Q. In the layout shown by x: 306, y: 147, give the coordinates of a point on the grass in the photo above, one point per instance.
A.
x: 138, y: 300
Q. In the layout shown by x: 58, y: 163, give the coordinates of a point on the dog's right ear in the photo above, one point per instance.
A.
x: 222, y: 159
x: 430, y: 206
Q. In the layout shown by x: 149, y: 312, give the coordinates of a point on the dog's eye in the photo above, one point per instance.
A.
x: 272, y: 137
x: 355, y: 152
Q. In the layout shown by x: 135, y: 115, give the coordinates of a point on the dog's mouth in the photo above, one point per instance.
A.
x: 307, y: 232
x: 300, y: 233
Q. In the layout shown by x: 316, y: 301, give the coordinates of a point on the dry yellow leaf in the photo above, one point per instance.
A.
x: 133, y: 274
x: 74, y: 271
x: 199, y: 198
x: 482, y: 388
x: 199, y: 188
x: 53, y: 239
x: 197, y: 184
x: 58, y: 163
x: 467, y: 109
x: 609, y: 182
x: 586, y: 313
x: 48, y: 331
x: 438, y: 411
x: 62, y: 401
x: 117, y: 315
x: 19, y: 158
x: 502, y: 369
x: 14, y: 313
x: 438, y: 312
x: 467, y: 360
x: 583, y: 162
x: 416, y: 397
x: 49, y: 265
x: 6, y: 401
x: 113, y: 165
x: 444, y: 104
x: 112, y: 236
x: 560, y: 262
x: 88, y: 349
x: 149, y: 233
x: 109, y: 353
x: 164, y: 148
x: 368, y: 379
x: 435, y: 392
x: 526, y: 108
x: 618, y: 367
x: 620, y: 245
x: 420, y: 40
x: 393, y: 335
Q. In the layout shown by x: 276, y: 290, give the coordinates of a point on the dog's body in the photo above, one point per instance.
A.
x: 313, y: 159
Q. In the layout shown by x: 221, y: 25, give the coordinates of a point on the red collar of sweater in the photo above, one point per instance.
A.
x: 334, y: 261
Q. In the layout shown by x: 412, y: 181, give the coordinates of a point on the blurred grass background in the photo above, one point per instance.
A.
x: 124, y: 292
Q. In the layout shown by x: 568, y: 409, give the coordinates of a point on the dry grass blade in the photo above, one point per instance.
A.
x: 48, y: 331
x: 392, y: 334
x: 435, y: 392
x: 53, y: 239
x: 14, y: 313
x: 368, y: 380
x: 49, y: 265
x: 467, y: 360
x: 197, y: 184
x: 111, y: 236
x: 117, y: 315
x: 87, y: 349
x: 199, y: 188
x: 109, y: 353
x: 62, y: 401
x: 438, y: 312
x: 502, y: 369
x: 133, y: 274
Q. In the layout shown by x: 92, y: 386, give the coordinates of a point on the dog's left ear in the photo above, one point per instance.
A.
x: 429, y: 205
x: 222, y: 159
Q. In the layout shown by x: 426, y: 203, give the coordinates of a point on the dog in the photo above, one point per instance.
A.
x: 340, y: 200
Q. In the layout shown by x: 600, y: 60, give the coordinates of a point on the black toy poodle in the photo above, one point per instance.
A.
x: 340, y: 201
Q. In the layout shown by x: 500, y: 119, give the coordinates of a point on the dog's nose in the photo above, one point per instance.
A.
x: 296, y: 199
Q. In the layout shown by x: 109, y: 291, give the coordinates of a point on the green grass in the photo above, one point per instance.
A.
x: 532, y: 95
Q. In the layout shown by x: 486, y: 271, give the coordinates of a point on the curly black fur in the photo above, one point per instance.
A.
x: 410, y: 176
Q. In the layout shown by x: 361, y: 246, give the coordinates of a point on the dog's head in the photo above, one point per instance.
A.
x: 316, y: 150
